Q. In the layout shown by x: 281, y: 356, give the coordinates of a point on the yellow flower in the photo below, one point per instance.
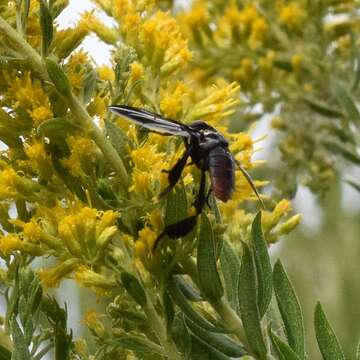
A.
x: 218, y: 104
x: 94, y: 323
x: 106, y: 73
x: 139, y: 248
x: 92, y: 279
x: 92, y: 23
x: 65, y: 41
x: 136, y: 71
x: 292, y: 15
x: 147, y: 236
x: 258, y: 33
x: 297, y: 61
x: 271, y: 219
x: 197, y: 16
x: 10, y: 243
x: 51, y: 277
x: 40, y: 114
x: 87, y: 232
x: 98, y: 106
x: 27, y: 93
x: 248, y: 15
x: 82, y: 146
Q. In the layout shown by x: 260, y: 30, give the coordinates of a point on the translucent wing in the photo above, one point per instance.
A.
x: 151, y: 121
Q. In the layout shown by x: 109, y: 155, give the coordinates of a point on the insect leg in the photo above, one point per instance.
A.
x: 175, y: 172
x: 183, y: 227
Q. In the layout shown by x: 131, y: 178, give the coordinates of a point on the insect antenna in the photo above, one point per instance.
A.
x: 251, y: 183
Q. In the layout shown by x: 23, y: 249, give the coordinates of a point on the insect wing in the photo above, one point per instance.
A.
x: 151, y: 121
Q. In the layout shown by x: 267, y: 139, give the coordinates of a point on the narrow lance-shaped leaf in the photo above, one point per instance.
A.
x: 283, y: 350
x: 21, y: 350
x: 133, y: 287
x: 249, y: 311
x: 46, y: 24
x: 341, y: 149
x: 180, y: 300
x: 230, y: 266
x: 169, y: 311
x: 347, y: 103
x: 355, y: 185
x: 203, y: 351
x: 290, y: 310
x: 188, y: 290
x: 209, y: 278
x: 89, y: 85
x: 358, y: 351
x: 328, y: 343
x: 220, y: 342
x: 58, y: 77
x: 263, y: 266
x: 176, y: 206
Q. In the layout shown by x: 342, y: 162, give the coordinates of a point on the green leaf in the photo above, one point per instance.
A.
x: 321, y: 107
x: 58, y: 77
x: 46, y: 24
x: 89, y: 85
x: 188, y: 290
x: 169, y: 311
x: 181, y: 335
x: 328, y: 343
x: 55, y: 125
x: 230, y: 266
x: 5, y: 354
x: 358, y: 351
x: 339, y: 148
x: 21, y: 350
x: 176, y: 206
x: 249, y: 311
x: 220, y: 342
x: 263, y: 266
x: 209, y: 279
x: 136, y: 343
x: 180, y: 300
x: 283, y: 350
x: 133, y: 287
x: 346, y: 101
x: 290, y: 310
x: 202, y: 350
x: 355, y: 185
x: 119, y: 141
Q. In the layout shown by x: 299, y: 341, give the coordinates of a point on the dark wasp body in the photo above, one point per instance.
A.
x: 208, y: 150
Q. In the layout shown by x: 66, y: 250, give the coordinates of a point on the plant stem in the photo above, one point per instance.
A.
x: 27, y: 51
x: 75, y: 105
x: 105, y: 146
x: 158, y: 326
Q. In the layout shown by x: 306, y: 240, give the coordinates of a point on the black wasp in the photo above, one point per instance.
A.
x: 208, y: 150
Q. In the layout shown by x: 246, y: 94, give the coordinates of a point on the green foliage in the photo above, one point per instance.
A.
x: 86, y: 193
x: 328, y: 343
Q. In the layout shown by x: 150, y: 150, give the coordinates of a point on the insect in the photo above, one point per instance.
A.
x: 208, y: 150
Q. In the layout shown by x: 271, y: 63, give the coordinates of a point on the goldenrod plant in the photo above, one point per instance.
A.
x: 80, y: 187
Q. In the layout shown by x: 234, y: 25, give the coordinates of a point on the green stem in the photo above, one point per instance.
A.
x: 75, y: 105
x: 27, y: 51
x: 105, y: 146
x: 159, y: 328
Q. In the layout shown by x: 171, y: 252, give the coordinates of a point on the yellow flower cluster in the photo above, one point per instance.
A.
x: 27, y: 93
x: 155, y: 36
x: 82, y: 153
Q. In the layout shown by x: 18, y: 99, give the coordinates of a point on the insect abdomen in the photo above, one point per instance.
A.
x: 222, y: 173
